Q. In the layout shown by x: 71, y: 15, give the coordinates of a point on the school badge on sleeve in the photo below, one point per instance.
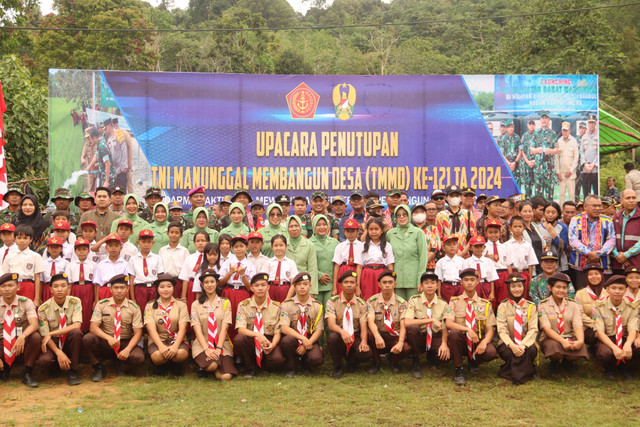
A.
x: 302, y: 102
x: 344, y: 100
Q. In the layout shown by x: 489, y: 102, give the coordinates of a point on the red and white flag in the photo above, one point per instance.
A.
x: 3, y: 166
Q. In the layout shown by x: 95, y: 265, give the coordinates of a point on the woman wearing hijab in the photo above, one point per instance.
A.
x: 587, y: 298
x: 325, y: 247
x: 158, y: 226
x: 236, y: 214
x: 29, y: 214
x: 410, y: 252
x: 131, y: 209
x: 273, y: 228
x: 200, y: 221
x: 302, y: 252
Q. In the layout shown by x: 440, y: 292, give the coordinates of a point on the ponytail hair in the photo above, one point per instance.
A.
x: 383, y: 236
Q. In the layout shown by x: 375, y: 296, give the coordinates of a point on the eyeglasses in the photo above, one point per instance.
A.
x: 275, y: 214
x: 431, y: 209
x: 402, y: 215
x: 439, y: 198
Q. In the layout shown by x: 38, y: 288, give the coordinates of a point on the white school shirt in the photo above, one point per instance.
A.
x: 250, y: 270
x: 136, y: 268
x: 197, y: 286
x: 47, y: 261
x: 488, y: 272
x: 260, y: 262
x: 67, y: 251
x: 106, y: 269
x: 25, y: 263
x: 173, y: 259
x: 502, y: 262
x: 6, y: 250
x: 520, y: 254
x: 341, y: 254
x: 448, y: 269
x: 128, y: 251
x: 186, y: 272
x: 374, y: 255
x: 288, y: 269
x: 73, y: 270
x: 224, y: 259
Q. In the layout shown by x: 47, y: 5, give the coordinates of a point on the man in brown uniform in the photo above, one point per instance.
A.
x: 19, y: 325
x: 385, y: 316
x: 424, y: 320
x: 346, y: 317
x: 616, y: 323
x: 60, y: 322
x: 302, y: 326
x: 258, y: 325
x: 116, y: 329
x: 471, y: 322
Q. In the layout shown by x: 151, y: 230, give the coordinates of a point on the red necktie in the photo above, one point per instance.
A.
x: 618, y: 312
x: 302, y: 322
x: 496, y: 256
x: 429, y: 327
x: 388, y: 320
x: 351, y: 257
x: 6, y: 251
x: 116, y: 326
x: 53, y: 269
x: 277, y: 279
x: 81, y: 275
x: 212, y: 331
x: 9, y: 335
x: 237, y: 275
x: 560, y: 315
x: 470, y: 322
x: 198, y: 263
x: 347, y: 324
x: 517, y: 322
x: 479, y: 271
x: 145, y: 269
x: 63, y: 324
x: 258, y: 326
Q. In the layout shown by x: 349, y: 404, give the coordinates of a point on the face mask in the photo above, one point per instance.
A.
x: 419, y: 218
x: 455, y: 201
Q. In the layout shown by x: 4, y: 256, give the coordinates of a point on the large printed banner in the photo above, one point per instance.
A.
x: 275, y: 134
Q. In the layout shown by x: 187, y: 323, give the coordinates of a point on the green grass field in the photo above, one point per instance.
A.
x: 65, y: 144
x: 586, y: 398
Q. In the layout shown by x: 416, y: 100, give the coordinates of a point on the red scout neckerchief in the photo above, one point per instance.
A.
x: 250, y: 221
x: 470, y: 322
x: 585, y: 239
x: 9, y: 335
x: 388, y: 321
x: 117, y: 320
x: 212, y: 327
x: 62, y: 325
x: 517, y: 322
x: 347, y: 323
x: 618, y: 313
x: 560, y: 314
x: 302, y: 321
x: 429, y: 327
x: 258, y: 326
x: 594, y: 297
x: 167, y: 320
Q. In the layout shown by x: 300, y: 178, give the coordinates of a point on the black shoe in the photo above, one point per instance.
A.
x: 474, y: 369
x: 337, y: 373
x: 5, y: 373
x: 569, y: 366
x: 415, y: 369
x: 610, y: 374
x: 249, y: 374
x: 55, y: 372
x: 393, y: 366
x: 554, y: 368
x: 72, y: 378
x: 351, y: 368
x: 118, y: 365
x: 98, y: 374
x: 459, y: 378
x: 290, y: 374
x: 375, y: 367
x: 202, y: 373
x: 627, y: 374
x: 175, y: 369
x: 161, y: 370
x: 535, y: 374
x: 27, y: 379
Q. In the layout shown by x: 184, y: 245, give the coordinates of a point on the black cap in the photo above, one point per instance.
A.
x: 386, y: 273
x: 549, y: 255
x: 417, y: 206
x: 259, y: 276
x: 209, y: 272
x: 437, y: 192
x: 282, y: 198
x: 616, y: 279
x: 119, y: 278
x: 8, y: 276
x: 357, y: 193
x: 429, y: 274
x: 300, y: 277
x: 347, y: 273
x: 558, y: 277
x: 468, y: 272
x: 164, y: 278
x: 59, y: 276
x: 452, y: 189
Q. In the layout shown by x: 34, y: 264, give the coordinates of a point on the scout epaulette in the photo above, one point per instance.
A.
x: 373, y: 298
x: 599, y: 304
x: 400, y: 299
x: 276, y: 303
x: 103, y: 300
x: 361, y: 300
x: 634, y: 304
x: 287, y: 300
x: 74, y: 300
x: 44, y: 306
x: 133, y: 304
x: 335, y: 298
x: 23, y: 299
x: 245, y: 302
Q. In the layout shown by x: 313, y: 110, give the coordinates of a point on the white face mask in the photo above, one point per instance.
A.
x: 455, y: 201
x: 419, y: 218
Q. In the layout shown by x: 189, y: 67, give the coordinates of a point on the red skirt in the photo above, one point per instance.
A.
x: 369, y: 282
x: 278, y: 292
x: 85, y: 293
x: 501, y: 288
x: 27, y: 289
x: 144, y: 295
x: 177, y: 290
x: 191, y: 296
x: 484, y: 290
x: 235, y: 297
x: 104, y: 292
x: 46, y: 292
x: 527, y: 281
x: 342, y: 269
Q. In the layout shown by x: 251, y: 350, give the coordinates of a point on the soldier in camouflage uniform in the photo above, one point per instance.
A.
x: 175, y: 212
x: 546, y: 148
x: 103, y: 158
x: 197, y: 199
x: 319, y: 206
x: 85, y: 202
x: 13, y: 197
x: 62, y: 200
x: 526, y: 163
x: 151, y: 197
x: 509, y: 145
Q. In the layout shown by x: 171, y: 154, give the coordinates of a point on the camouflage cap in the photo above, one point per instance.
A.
x: 14, y: 188
x: 61, y: 193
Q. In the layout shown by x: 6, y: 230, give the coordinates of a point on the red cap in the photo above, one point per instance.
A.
x: 255, y: 235
x: 61, y: 225
x: 477, y: 240
x: 145, y: 233
x: 351, y: 224
x: 113, y: 236
x: 81, y: 242
x: 452, y: 237
x: 195, y: 190
x: 125, y: 222
x: 55, y: 241
x: 493, y: 223
x: 7, y: 226
x: 89, y: 224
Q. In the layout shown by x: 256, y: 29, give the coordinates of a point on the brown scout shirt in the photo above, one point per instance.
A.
x: 337, y: 305
x: 605, y: 318
x: 418, y: 310
x: 586, y: 304
x: 221, y: 309
x: 375, y: 311
x: 270, y: 315
x: 549, y: 319
x: 178, y: 314
x: 130, y: 317
x: 49, y: 314
x: 506, y: 319
x: 22, y: 312
x: 290, y: 310
x: 457, y: 311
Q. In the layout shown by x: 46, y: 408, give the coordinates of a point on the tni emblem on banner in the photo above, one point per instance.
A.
x: 302, y: 102
x: 344, y: 100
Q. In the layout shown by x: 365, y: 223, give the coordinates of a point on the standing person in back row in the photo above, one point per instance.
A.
x: 632, y: 178
x: 453, y: 221
x: 101, y: 215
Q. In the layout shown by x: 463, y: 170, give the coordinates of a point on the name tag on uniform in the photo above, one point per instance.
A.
x: 18, y: 331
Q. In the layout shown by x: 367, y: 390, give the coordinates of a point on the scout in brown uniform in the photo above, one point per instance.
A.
x: 517, y: 324
x: 60, y: 323
x: 424, y: 320
x: 616, y: 323
x: 19, y: 325
x: 385, y: 317
x: 471, y: 322
x: 302, y: 326
x: 258, y: 325
x: 210, y: 320
x: 116, y: 329
x: 633, y: 284
x: 588, y: 297
x: 346, y: 317
x: 166, y: 320
x: 562, y: 337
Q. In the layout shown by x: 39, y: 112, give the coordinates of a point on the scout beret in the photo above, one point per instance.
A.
x: 153, y: 191
x: 616, y: 279
x: 347, y: 273
x: 255, y: 235
x: 175, y: 205
x: 239, y: 238
x: 7, y: 226
x: 481, y: 196
x: 435, y: 193
x: 319, y: 194
x: 593, y: 266
x: 89, y: 224
x: 61, y: 193
x: 386, y: 273
x: 448, y: 238
x: 469, y: 190
x: 125, y: 222
x: 59, y: 276
x: 494, y: 198
x: 61, y: 225
x: 113, y: 237
x: 351, y: 224
x: 630, y: 270
x: 559, y: 277
x: 257, y: 202
x: 209, y: 272
x: 145, y: 233
x: 392, y: 192
x: 477, y: 240
x: 373, y: 203
x: 282, y: 198
x: 468, y: 272
x: 429, y: 274
x: 338, y: 199
x: 54, y: 241
x: 242, y: 191
x: 118, y: 189
x: 81, y: 242
x: 164, y: 278
x: 119, y: 278
x: 226, y: 199
x: 515, y: 278
x: 492, y: 223
x: 451, y: 189
x: 357, y: 193
x: 8, y: 276
x: 300, y: 277
x: 549, y: 255
x: 259, y: 276
x: 195, y: 191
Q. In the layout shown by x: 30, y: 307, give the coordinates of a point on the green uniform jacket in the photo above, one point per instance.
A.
x: 187, y: 237
x: 235, y: 229
x: 303, y: 253
x: 410, y: 252
x: 271, y: 230
x: 325, y: 247
x: 135, y: 219
x: 160, y: 237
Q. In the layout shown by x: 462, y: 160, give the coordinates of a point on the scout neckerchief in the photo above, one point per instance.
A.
x: 595, y: 297
x: 276, y: 281
x: 560, y: 314
x: 301, y: 326
x: 212, y: 327
x: 429, y: 327
x: 347, y: 323
x: 9, y: 335
x: 351, y: 255
x: 387, y: 216
x: 258, y: 326
x: 116, y: 326
x: 62, y: 325
x: 366, y: 216
x: 618, y: 312
x: 470, y: 322
x: 517, y: 322
x: 585, y: 239
x: 388, y: 320
x: 250, y: 221
x: 167, y: 320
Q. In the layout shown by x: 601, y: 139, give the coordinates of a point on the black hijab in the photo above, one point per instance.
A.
x: 35, y: 220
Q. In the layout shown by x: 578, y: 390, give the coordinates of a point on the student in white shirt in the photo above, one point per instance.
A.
x: 174, y: 254
x: 27, y: 264
x: 80, y: 273
x: 376, y: 256
x: 281, y: 269
x: 487, y: 274
x: 144, y: 268
x: 497, y: 253
x: 522, y: 257
x: 259, y: 260
x: 191, y: 267
x: 448, y: 269
x: 89, y: 230
x: 8, y: 240
x: 211, y: 261
x: 109, y: 267
x: 53, y: 263
x: 347, y: 254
